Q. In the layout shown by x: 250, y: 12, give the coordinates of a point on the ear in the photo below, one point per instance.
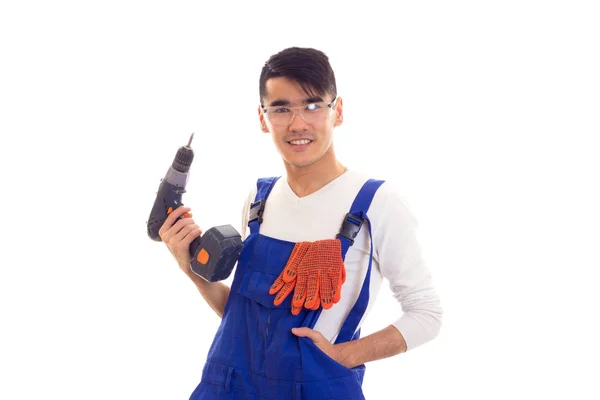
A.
x: 339, y: 112
x: 263, y: 123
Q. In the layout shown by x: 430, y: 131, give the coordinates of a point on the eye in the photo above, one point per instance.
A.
x: 280, y: 110
x: 313, y: 107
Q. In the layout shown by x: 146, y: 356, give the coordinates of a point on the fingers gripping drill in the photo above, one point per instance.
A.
x: 215, y: 253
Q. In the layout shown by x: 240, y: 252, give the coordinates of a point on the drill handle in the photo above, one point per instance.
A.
x: 168, y: 198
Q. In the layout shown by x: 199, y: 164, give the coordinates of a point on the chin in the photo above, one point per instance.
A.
x: 300, y: 162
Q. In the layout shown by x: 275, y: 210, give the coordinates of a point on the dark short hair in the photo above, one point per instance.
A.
x: 309, y: 67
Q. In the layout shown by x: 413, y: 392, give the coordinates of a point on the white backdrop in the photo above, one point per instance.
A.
x: 484, y: 114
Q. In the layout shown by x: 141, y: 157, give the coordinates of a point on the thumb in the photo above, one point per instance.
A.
x: 306, y: 332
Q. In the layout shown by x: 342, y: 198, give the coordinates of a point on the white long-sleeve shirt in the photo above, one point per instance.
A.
x: 396, y: 251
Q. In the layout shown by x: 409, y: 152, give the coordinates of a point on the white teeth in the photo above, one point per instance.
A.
x: 300, y: 142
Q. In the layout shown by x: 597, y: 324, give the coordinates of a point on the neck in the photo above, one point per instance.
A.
x: 307, y: 180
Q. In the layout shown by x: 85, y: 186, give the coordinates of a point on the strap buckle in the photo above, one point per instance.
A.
x: 350, y: 227
x: 256, y: 211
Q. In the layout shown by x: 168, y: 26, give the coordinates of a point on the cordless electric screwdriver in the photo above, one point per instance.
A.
x: 215, y: 253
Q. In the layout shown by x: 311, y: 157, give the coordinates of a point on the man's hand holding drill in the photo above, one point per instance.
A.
x: 178, y: 234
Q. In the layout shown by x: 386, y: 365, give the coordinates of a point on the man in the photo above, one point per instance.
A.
x: 321, y: 240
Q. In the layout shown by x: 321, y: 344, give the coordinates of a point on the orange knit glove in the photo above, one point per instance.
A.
x: 321, y: 274
x: 286, y: 281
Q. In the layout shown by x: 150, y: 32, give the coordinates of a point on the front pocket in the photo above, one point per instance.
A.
x: 323, y: 360
x: 325, y: 378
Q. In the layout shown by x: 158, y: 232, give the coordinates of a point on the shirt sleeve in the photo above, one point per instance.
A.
x: 245, y: 213
x: 401, y: 263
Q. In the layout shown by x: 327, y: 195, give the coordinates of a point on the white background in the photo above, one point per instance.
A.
x: 484, y: 114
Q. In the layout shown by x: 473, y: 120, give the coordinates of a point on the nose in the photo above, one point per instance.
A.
x: 297, y: 123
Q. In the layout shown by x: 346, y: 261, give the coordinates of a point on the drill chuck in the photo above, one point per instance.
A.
x: 183, y: 158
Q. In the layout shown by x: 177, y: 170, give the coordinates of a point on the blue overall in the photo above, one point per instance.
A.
x: 255, y: 355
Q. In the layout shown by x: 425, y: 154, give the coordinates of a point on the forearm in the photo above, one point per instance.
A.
x: 385, y: 343
x: 215, y: 293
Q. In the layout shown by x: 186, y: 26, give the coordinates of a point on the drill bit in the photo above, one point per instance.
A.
x: 190, y: 142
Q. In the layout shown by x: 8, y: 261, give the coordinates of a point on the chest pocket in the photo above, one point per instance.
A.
x: 266, y: 259
x: 255, y: 285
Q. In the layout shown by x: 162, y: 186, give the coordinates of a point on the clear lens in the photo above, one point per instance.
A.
x: 311, y: 113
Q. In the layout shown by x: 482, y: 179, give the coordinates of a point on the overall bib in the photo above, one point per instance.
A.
x: 255, y: 355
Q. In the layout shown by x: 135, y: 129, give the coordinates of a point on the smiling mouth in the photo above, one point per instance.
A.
x: 300, y: 142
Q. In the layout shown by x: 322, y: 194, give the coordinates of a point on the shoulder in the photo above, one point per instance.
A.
x: 251, y: 190
x: 390, y: 204
x: 258, y: 184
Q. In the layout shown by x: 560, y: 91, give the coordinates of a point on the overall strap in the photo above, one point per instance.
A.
x: 263, y: 188
x: 358, y: 212
x: 350, y: 228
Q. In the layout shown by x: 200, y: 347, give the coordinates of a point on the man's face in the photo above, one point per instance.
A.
x: 301, y: 125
